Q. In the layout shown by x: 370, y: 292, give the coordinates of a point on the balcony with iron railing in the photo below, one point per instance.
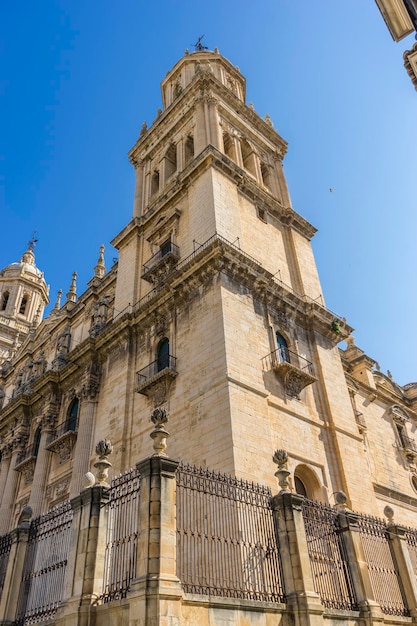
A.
x: 295, y: 371
x: 409, y: 446
x: 63, y: 436
x: 161, y: 263
x: 27, y: 457
x: 159, y: 373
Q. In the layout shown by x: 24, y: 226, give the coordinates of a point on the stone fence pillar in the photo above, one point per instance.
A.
x: 405, y: 567
x: 14, y: 571
x: 349, y: 529
x: 85, y: 568
x: 302, y: 600
x: 155, y: 596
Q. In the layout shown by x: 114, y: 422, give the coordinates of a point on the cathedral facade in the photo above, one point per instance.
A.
x: 214, y: 317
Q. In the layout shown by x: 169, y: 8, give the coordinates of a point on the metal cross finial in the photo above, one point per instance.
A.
x: 32, y: 243
x: 198, y: 46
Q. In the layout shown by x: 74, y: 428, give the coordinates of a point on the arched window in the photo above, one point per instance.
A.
x: 248, y: 157
x: 171, y: 161
x: 188, y: 149
x: 283, y: 352
x: 307, y: 484
x: 266, y: 175
x: 37, y: 441
x: 72, y: 415
x: 228, y: 146
x: 5, y: 300
x: 155, y: 183
x: 162, y: 355
x: 300, y: 487
x: 23, y: 305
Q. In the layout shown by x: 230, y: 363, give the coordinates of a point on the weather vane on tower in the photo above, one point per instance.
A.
x: 32, y: 242
x: 198, y: 46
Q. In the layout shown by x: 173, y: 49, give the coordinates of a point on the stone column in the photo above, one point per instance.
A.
x: 200, y: 138
x: 349, y: 530
x: 4, y: 469
x: 156, y: 594
x: 40, y: 474
x: 138, y: 199
x: 180, y: 154
x: 405, y: 567
x: 82, y: 449
x: 282, y: 189
x: 215, y: 134
x: 9, y: 494
x: 237, y: 151
x: 86, y: 420
x: 14, y: 571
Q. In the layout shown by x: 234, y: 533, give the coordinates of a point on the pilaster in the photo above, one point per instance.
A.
x: 86, y: 419
x: 9, y: 494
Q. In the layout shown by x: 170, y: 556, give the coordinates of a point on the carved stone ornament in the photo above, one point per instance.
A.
x: 294, y: 378
x: 103, y: 449
x: 281, y: 459
x: 159, y: 435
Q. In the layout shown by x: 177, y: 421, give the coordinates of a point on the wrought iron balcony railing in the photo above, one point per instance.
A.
x: 68, y: 428
x: 408, y: 445
x: 295, y: 371
x: 161, y: 262
x: 163, y: 370
x: 28, y: 454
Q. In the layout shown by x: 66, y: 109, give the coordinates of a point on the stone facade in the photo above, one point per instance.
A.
x: 214, y: 313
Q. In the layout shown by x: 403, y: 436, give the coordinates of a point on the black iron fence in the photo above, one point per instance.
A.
x: 383, y: 572
x: 226, y: 540
x: 331, y: 574
x: 122, y: 534
x: 46, y: 557
x: 166, y: 361
x: 5, y: 547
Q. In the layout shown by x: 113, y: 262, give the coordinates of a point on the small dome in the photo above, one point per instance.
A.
x: 26, y: 265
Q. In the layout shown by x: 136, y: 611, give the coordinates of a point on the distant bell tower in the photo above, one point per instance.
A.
x: 23, y: 297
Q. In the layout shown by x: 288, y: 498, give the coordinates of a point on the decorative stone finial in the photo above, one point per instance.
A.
x: 103, y: 450
x: 72, y: 293
x: 88, y: 480
x: 341, y: 500
x: 25, y: 516
x: 250, y: 105
x: 350, y: 341
x: 57, y: 305
x: 268, y: 120
x: 100, y: 268
x: 186, y: 52
x: 389, y: 514
x: 159, y: 435
x: 143, y: 129
x: 281, y: 459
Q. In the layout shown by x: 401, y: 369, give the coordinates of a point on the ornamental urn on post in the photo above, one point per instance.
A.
x: 159, y: 435
x: 103, y: 449
x: 281, y: 459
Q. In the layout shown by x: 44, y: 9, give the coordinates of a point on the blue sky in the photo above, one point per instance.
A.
x: 78, y: 78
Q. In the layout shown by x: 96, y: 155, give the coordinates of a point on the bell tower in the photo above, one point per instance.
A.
x: 217, y: 267
x: 23, y: 297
